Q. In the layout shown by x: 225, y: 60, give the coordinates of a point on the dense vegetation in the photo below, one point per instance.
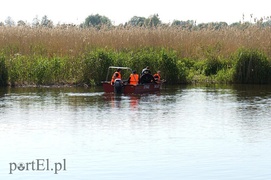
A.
x: 76, y: 55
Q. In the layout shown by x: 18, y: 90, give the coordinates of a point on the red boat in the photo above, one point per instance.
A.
x: 126, y: 88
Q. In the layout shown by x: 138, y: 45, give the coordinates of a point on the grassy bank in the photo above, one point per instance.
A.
x: 76, y: 56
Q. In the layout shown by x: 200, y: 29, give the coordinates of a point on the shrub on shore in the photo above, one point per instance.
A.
x: 252, y: 67
x: 245, y: 66
x: 3, y: 72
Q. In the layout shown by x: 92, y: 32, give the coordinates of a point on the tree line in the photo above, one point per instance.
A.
x: 99, y: 21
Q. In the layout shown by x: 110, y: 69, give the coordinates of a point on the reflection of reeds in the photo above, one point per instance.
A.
x: 74, y: 41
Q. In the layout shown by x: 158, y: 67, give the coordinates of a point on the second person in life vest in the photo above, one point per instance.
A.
x: 134, y: 78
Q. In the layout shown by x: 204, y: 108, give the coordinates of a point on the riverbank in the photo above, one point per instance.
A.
x: 81, y: 56
x: 246, y: 66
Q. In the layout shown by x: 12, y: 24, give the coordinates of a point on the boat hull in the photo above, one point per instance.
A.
x: 132, y: 89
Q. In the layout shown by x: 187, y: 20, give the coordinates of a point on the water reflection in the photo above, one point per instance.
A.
x: 3, y: 92
x: 121, y: 100
x: 113, y: 100
x: 134, y: 101
x: 253, y: 100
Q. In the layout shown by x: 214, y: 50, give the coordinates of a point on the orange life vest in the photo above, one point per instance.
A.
x: 134, y: 78
x: 157, y: 77
x: 115, y: 76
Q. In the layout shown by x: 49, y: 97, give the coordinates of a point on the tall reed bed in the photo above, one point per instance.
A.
x: 75, y: 55
x: 75, y: 41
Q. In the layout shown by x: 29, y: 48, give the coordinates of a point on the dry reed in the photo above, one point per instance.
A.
x: 74, y: 41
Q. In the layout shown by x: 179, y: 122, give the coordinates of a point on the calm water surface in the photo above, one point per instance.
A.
x: 186, y: 132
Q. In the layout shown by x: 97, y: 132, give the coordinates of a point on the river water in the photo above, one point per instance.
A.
x: 183, y: 132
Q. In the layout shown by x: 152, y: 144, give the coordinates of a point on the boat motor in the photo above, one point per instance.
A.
x: 118, y: 86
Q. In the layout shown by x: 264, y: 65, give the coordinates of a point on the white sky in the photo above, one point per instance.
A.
x: 121, y: 11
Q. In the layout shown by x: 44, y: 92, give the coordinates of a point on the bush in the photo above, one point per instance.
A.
x: 3, y: 72
x: 212, y: 66
x: 245, y: 66
x: 42, y: 71
x: 168, y: 64
x: 141, y: 58
x: 96, y: 65
x: 251, y: 67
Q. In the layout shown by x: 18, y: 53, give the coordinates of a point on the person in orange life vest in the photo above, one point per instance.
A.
x: 118, y: 78
x: 134, y: 78
x: 116, y: 75
x: 157, y: 77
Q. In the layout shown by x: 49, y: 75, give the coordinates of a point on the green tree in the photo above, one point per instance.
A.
x: 36, y: 22
x: 137, y: 21
x: 97, y: 21
x: 267, y: 23
x: 153, y: 21
x: 240, y: 25
x: 21, y: 23
x: 177, y: 23
x: 236, y: 24
x: 183, y: 24
x: 9, y: 21
x: 45, y: 22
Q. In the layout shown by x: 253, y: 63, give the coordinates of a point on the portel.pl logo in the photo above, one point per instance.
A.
x: 38, y: 165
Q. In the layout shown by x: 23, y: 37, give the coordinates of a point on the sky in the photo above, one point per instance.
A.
x: 121, y: 11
